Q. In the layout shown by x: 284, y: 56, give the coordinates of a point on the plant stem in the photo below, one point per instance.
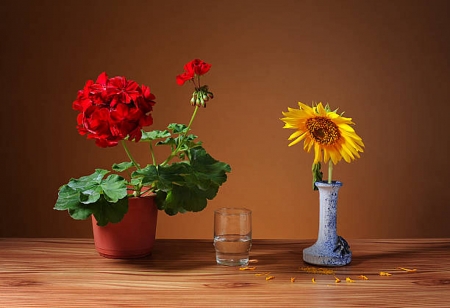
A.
x: 175, y: 151
x: 129, y: 155
x: 192, y: 120
x: 153, y: 154
x: 330, y: 171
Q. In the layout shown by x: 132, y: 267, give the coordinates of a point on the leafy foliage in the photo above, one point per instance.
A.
x: 94, y: 194
x: 184, y: 182
x: 186, y: 185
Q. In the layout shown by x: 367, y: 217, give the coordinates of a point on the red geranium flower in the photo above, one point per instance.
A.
x: 112, y: 109
x: 195, y: 67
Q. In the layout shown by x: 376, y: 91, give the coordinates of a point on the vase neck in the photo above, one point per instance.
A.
x: 328, y: 197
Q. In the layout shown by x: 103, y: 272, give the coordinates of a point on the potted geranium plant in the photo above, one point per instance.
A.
x: 116, y: 110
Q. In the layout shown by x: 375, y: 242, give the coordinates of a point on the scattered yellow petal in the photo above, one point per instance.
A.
x: 407, y: 269
x: 313, y: 280
x: 363, y: 277
x: 348, y: 279
x: 270, y: 277
x: 253, y: 261
x: 292, y: 279
x: 385, y: 274
x: 262, y: 274
x: 315, y: 270
x: 337, y: 280
x: 247, y: 268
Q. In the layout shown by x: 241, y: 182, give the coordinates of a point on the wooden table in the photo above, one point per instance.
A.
x: 183, y: 273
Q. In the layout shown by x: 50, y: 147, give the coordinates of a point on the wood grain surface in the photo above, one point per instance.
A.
x: 183, y: 273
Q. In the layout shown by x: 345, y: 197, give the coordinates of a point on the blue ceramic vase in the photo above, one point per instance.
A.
x: 329, y: 249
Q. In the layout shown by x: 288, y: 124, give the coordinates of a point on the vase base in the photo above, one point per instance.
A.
x: 315, y: 256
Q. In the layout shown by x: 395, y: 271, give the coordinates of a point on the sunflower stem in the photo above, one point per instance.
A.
x: 330, y: 171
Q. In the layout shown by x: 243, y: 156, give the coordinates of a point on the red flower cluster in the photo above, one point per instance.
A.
x: 195, y: 67
x: 112, y: 109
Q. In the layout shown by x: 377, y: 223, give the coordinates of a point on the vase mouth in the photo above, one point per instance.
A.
x: 326, y: 184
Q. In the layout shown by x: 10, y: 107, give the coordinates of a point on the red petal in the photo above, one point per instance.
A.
x: 102, y: 79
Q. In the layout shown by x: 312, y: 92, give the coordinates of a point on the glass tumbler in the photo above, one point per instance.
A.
x: 232, y: 236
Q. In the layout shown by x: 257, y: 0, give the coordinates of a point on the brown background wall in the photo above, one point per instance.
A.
x: 386, y: 63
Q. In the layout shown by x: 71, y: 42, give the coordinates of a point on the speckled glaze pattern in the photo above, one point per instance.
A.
x: 329, y: 249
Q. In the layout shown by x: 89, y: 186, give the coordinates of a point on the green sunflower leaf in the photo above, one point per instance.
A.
x: 317, y: 175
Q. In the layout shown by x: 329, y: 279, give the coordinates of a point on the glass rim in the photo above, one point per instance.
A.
x: 233, y: 211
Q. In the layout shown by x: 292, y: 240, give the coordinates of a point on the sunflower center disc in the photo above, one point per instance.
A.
x: 323, y: 130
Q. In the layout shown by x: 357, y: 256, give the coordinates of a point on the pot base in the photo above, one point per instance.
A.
x: 131, y: 238
x: 118, y: 255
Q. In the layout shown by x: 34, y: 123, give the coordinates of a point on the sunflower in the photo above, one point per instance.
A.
x: 330, y: 133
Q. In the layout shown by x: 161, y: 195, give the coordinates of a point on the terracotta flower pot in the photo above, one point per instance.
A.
x: 133, y: 236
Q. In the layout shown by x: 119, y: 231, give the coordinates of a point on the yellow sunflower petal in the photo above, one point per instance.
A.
x: 321, y: 110
x: 294, y: 142
x: 326, y: 156
x: 295, y: 135
x: 306, y: 108
x: 346, y: 153
x: 346, y: 127
x: 317, y: 153
x: 308, y: 145
x: 335, y: 156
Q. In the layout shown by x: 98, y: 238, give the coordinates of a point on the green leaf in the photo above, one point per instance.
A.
x: 122, y: 166
x: 146, y: 176
x: 86, y: 182
x: 189, y: 186
x: 90, y: 195
x: 81, y: 213
x: 114, y: 188
x: 136, y: 182
x: 68, y: 198
x: 168, y: 141
x: 206, y: 168
x: 177, y: 128
x: 316, y: 175
x: 106, y: 212
x: 171, y: 175
x: 163, y: 177
x: 155, y: 134
x: 183, y: 198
